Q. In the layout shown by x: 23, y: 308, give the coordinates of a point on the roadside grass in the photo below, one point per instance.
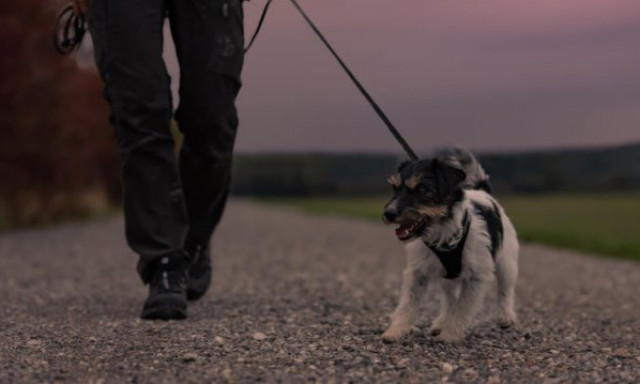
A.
x: 33, y: 210
x: 607, y: 224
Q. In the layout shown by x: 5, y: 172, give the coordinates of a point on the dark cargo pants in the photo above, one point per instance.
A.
x: 170, y: 204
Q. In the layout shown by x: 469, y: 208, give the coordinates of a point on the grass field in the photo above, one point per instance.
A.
x: 607, y: 224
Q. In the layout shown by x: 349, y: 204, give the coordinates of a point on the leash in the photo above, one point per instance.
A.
x: 394, y: 131
x: 69, y: 30
x: 71, y: 27
x: 257, y: 31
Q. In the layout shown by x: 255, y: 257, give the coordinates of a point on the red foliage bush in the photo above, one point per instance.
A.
x: 55, y: 140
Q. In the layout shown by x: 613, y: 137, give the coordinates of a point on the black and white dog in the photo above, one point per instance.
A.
x: 458, y: 237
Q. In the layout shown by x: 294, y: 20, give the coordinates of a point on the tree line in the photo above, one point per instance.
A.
x: 58, y: 156
x: 569, y: 170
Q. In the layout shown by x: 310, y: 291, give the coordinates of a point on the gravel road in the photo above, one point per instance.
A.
x: 298, y: 298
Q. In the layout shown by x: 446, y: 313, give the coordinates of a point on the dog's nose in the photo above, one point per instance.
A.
x: 389, y: 216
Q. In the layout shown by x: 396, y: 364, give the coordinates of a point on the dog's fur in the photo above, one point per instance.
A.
x: 430, y: 200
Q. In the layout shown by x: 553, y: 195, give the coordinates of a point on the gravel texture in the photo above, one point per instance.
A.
x: 298, y: 298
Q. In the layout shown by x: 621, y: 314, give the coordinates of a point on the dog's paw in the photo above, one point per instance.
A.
x: 447, y: 335
x: 507, y: 321
x: 395, y: 333
x: 437, y: 325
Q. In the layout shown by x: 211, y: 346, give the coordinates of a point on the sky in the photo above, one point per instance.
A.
x: 492, y: 75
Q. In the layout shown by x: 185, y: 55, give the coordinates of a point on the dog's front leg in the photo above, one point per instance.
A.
x: 461, y: 314
x: 447, y: 303
x: 414, y: 285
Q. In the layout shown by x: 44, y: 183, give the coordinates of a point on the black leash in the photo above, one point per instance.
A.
x: 69, y: 30
x: 396, y: 134
x: 255, y: 34
x: 71, y: 27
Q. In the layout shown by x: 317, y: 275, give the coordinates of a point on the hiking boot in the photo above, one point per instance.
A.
x: 199, y: 272
x: 167, y: 290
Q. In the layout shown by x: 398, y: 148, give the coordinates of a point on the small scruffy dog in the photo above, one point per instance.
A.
x: 458, y: 237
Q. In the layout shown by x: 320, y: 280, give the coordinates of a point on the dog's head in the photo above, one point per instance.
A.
x: 423, y: 191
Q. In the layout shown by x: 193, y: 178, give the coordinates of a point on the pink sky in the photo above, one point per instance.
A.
x: 491, y: 75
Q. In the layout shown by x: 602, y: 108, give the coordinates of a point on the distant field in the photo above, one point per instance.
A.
x: 607, y: 224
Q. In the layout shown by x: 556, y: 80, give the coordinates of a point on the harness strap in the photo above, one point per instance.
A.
x: 451, y: 258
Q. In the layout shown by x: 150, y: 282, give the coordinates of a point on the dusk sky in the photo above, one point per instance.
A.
x: 490, y: 75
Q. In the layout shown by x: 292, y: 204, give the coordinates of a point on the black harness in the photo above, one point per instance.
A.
x: 451, y: 257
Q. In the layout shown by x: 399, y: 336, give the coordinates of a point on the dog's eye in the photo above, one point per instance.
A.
x: 424, y: 189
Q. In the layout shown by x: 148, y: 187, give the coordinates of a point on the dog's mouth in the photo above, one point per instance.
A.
x: 408, y: 231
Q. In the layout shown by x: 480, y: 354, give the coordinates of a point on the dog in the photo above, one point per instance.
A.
x: 457, y: 237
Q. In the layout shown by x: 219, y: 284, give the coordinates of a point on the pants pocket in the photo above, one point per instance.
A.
x: 225, y: 20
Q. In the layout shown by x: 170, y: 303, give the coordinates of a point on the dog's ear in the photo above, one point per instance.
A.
x: 449, y: 178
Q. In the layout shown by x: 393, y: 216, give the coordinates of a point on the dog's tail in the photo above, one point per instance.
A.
x: 463, y: 159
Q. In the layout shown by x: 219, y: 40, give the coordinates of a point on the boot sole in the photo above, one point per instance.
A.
x: 168, y: 306
x: 164, y: 313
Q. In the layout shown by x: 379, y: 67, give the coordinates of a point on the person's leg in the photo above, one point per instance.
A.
x: 209, y: 40
x: 127, y: 38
